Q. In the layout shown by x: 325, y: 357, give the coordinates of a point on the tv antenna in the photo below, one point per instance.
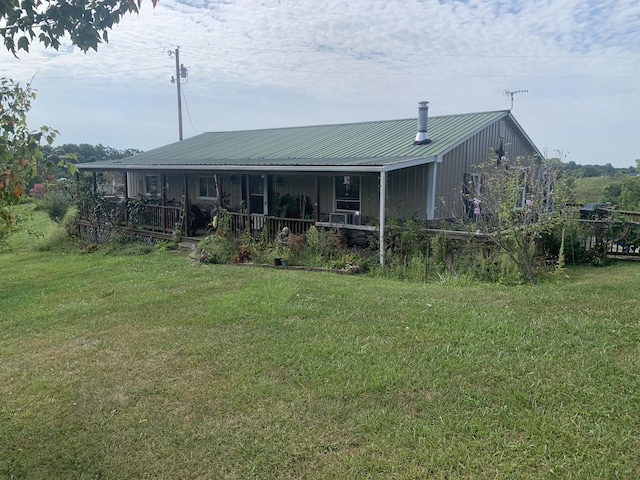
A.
x: 509, y: 93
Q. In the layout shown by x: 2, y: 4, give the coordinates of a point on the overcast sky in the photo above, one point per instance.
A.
x: 268, y: 63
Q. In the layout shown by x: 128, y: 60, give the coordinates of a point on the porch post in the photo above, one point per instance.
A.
x: 187, y: 206
x: 163, y: 179
x: 383, y: 195
x: 432, y: 169
x: 216, y: 180
x: 95, y: 183
x: 247, y: 185
x: 317, y: 198
x: 126, y: 197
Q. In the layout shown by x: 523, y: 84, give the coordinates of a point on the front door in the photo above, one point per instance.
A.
x: 257, y: 197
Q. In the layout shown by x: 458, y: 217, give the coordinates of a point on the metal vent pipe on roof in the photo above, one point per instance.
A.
x: 423, y: 114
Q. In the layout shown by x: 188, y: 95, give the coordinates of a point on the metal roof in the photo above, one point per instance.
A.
x: 373, y: 146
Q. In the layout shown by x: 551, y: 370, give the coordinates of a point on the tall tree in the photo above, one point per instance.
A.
x: 513, y: 205
x: 23, y: 22
x: 20, y: 154
x: 87, y: 22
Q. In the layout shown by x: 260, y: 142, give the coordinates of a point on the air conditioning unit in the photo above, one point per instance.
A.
x: 340, y: 217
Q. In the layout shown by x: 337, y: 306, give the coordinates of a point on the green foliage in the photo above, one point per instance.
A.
x: 612, y: 193
x: 514, y: 207
x: 286, y: 206
x: 624, y: 234
x: 587, y: 243
x: 351, y: 262
x: 58, y: 239
x: 56, y: 203
x: 321, y: 242
x: 20, y: 155
x: 86, y: 23
x: 217, y: 248
x: 126, y: 244
x: 8, y: 223
x: 593, y: 189
x: 244, y: 373
x: 566, y: 190
x: 87, y: 153
x: 630, y: 194
x: 572, y: 169
x: 58, y: 158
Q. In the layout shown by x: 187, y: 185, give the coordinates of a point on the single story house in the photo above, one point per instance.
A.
x: 346, y: 175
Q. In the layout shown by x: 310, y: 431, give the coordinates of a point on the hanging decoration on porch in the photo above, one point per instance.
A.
x: 347, y: 184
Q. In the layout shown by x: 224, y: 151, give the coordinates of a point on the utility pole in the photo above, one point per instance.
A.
x: 181, y: 73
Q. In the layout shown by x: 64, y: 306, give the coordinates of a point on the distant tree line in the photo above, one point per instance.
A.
x: 82, y: 153
x: 85, y: 153
x: 623, y: 191
x: 576, y: 170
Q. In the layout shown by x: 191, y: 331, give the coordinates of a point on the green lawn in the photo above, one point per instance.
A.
x: 154, y: 366
x: 591, y: 189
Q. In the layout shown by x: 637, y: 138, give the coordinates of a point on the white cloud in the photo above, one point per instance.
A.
x: 273, y: 63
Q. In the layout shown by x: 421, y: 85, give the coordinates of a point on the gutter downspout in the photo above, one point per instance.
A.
x: 383, y: 195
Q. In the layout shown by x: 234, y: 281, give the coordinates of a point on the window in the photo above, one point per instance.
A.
x: 347, y: 193
x: 256, y: 194
x: 207, y: 188
x: 520, y: 186
x: 471, y: 191
x: 152, y: 185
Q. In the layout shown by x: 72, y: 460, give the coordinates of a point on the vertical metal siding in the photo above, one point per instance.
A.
x: 464, y: 159
x: 407, y: 190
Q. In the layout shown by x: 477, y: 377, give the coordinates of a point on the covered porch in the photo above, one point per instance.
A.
x: 177, y: 203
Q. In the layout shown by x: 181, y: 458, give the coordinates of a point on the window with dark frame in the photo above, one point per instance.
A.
x: 152, y: 185
x: 347, y: 193
x: 207, y: 188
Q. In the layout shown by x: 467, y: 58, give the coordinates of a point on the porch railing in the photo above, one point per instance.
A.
x: 139, y: 216
x: 618, y: 238
x: 271, y: 226
x: 161, y: 218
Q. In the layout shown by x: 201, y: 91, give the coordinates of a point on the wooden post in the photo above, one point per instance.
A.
x: 247, y: 219
x: 187, y: 205
x: 163, y: 210
x: 247, y: 186
x: 317, y: 198
x: 126, y: 197
x: 383, y: 195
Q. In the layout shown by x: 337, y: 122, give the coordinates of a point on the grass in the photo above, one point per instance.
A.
x: 591, y: 189
x: 154, y: 366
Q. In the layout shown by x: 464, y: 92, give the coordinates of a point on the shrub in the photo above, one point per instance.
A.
x: 216, y: 248
x: 37, y: 191
x: 55, y: 204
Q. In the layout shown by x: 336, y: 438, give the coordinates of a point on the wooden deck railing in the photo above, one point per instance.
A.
x: 626, y: 215
x: 619, y: 238
x: 140, y: 216
x: 242, y: 222
x: 161, y: 218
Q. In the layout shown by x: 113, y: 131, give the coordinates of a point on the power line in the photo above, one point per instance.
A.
x: 186, y: 105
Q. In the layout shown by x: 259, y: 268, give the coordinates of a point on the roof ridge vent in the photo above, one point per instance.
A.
x: 423, y: 115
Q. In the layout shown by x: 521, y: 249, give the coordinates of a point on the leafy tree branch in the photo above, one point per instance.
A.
x: 86, y: 22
